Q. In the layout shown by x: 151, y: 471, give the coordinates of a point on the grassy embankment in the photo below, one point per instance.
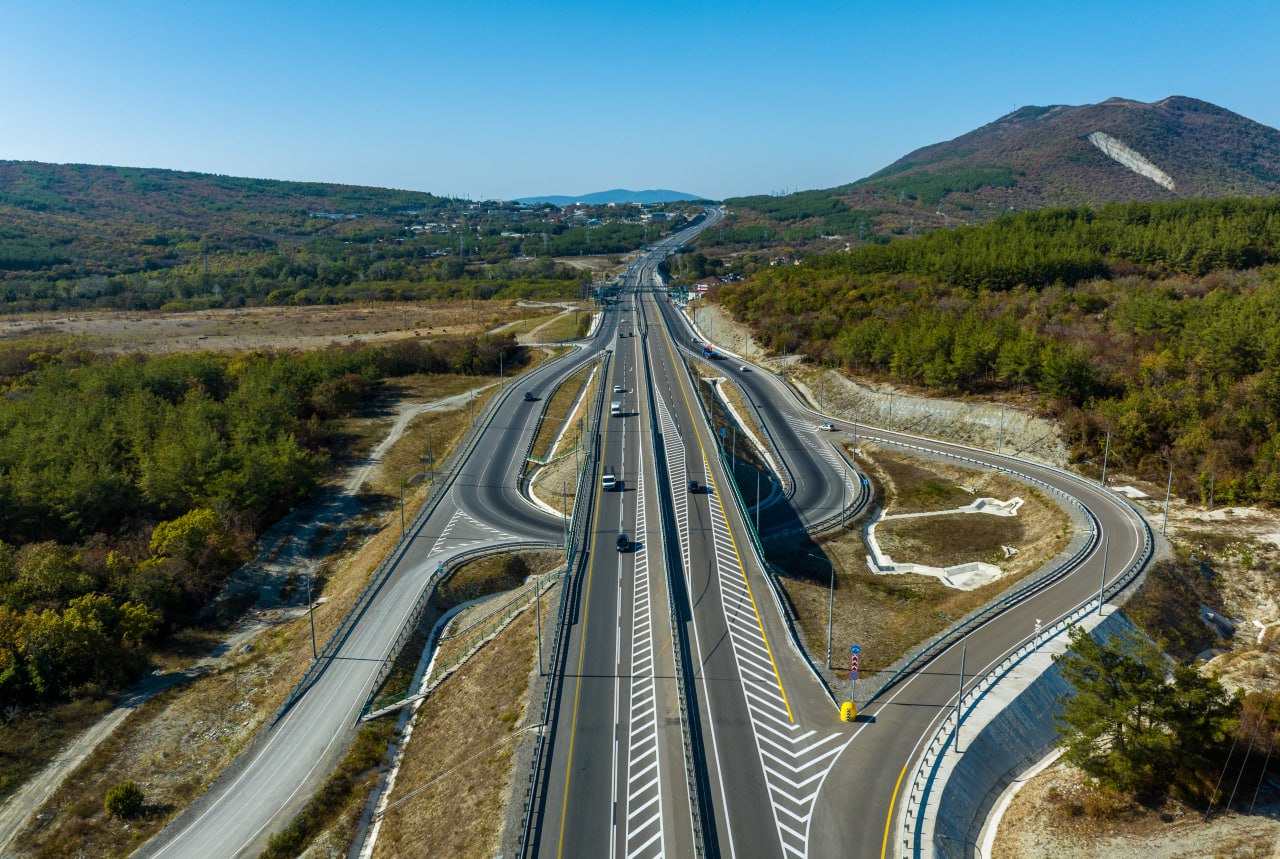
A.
x: 452, y: 787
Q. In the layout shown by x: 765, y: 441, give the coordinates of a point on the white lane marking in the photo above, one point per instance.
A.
x: 793, y: 763
x: 643, y: 775
x: 674, y: 449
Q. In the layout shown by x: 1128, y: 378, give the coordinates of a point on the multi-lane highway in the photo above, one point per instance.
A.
x: 756, y: 762
x: 852, y: 812
x: 782, y: 775
x: 480, y: 506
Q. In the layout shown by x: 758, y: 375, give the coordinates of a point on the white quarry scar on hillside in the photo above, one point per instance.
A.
x: 1117, y: 151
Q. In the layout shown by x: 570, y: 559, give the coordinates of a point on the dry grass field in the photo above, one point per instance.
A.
x: 450, y: 793
x: 248, y: 328
x: 890, y: 614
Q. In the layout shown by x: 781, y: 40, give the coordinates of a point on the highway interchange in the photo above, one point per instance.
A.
x: 757, y: 761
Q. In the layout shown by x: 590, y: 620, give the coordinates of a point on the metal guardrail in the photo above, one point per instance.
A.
x: 929, y: 649
x: 428, y: 592
x: 575, y: 560
x: 383, y: 571
x: 926, y: 771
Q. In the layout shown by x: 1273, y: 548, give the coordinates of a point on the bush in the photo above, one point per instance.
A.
x: 124, y: 800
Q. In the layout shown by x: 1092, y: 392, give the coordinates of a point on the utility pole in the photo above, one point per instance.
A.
x: 311, y: 608
x: 1106, y: 455
x: 1102, y: 586
x: 537, y: 608
x: 964, y: 648
x: 1000, y: 434
x: 1168, y: 489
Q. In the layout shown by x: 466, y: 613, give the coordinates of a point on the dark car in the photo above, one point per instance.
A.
x: 623, y: 543
x: 529, y: 397
x: 693, y: 486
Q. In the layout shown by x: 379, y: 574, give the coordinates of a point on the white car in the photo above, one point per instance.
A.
x: 826, y: 426
x: 743, y: 369
x: 618, y: 389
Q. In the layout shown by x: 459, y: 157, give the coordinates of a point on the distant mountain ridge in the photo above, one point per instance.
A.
x: 617, y: 195
x: 1120, y: 149
x: 1035, y: 157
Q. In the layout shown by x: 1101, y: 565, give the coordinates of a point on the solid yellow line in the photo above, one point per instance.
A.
x: 742, y: 569
x: 582, y: 650
x: 888, y: 820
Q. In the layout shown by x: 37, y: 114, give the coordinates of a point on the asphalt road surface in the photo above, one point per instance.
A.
x: 274, y: 777
x: 761, y: 765
x: 785, y: 777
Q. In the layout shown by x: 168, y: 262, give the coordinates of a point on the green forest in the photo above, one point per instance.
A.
x: 77, y: 236
x: 130, y: 487
x: 1158, y: 322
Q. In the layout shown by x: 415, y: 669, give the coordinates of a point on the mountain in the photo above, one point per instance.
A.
x: 1117, y: 150
x: 1033, y: 158
x: 617, y: 195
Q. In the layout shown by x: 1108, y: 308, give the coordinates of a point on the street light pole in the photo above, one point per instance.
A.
x: 1106, y: 455
x: 537, y: 608
x: 311, y: 609
x: 831, y: 596
x: 1168, y: 489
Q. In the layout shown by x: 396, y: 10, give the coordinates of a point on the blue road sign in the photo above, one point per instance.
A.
x: 724, y: 431
x: 855, y: 649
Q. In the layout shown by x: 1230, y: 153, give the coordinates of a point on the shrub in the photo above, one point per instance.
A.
x: 124, y: 800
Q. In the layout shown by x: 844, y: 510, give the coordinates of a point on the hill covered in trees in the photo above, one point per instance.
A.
x: 1032, y: 158
x: 117, y: 237
x: 1157, y: 321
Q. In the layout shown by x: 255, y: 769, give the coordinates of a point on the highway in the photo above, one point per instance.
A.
x: 757, y: 764
x: 852, y: 812
x: 478, y: 507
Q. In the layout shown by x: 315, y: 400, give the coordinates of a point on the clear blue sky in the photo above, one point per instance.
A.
x: 498, y: 99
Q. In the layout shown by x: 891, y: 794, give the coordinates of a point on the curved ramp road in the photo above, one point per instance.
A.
x: 480, y: 506
x: 784, y: 777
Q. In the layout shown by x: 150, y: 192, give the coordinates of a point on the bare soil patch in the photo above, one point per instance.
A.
x: 556, y: 484
x: 1058, y: 814
x: 248, y: 328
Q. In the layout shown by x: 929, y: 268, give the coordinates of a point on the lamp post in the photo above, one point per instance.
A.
x: 411, y: 477
x: 537, y: 607
x: 311, y: 608
x: 831, y: 596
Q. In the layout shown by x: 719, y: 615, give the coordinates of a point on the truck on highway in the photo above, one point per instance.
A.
x: 608, y: 482
x: 615, y: 407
